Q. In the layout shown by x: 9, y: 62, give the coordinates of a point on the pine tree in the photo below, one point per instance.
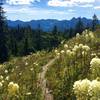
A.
x: 38, y: 38
x: 3, y: 40
x: 26, y: 47
x: 13, y: 45
x: 95, y: 22
x: 55, y: 40
x: 55, y: 30
x: 79, y: 26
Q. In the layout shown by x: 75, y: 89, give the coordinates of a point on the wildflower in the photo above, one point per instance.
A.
x: 0, y: 66
x: 81, y: 85
x: 7, y: 78
x: 95, y: 66
x: 93, y: 54
x: 68, y: 52
x: 6, y: 71
x: 56, y: 51
x: 84, y: 53
x: 26, y: 63
x: 12, y: 70
x: 29, y: 93
x: 62, y: 51
x: 31, y: 69
x: 36, y: 64
x: 20, y: 73
x: 77, y: 35
x: 91, y: 35
x: 76, y: 47
x: 62, y: 42
x: 58, y: 54
x: 81, y: 88
x: 80, y: 45
x: 86, y: 37
x: 86, y: 48
x: 65, y: 46
x: 72, y: 53
x: 2, y: 81
x: 1, y: 84
x: 95, y: 62
x: 17, y: 66
x: 1, y: 77
x: 13, y: 88
x: 94, y: 90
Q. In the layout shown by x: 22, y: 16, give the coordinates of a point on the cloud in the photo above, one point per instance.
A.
x: 20, y: 2
x: 97, y: 7
x: 25, y: 13
x: 68, y: 3
x: 87, y: 5
x: 58, y: 3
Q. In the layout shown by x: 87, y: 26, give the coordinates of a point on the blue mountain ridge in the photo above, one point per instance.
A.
x: 48, y: 24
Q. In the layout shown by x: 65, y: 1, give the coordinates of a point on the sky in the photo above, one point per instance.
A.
x: 27, y: 10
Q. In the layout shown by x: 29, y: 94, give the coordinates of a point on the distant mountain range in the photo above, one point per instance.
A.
x: 47, y: 25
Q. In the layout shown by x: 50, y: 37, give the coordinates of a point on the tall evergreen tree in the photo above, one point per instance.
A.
x: 95, y: 22
x: 26, y: 47
x: 55, y: 30
x: 38, y: 38
x: 13, y: 45
x: 79, y: 26
x: 55, y: 40
x: 3, y: 40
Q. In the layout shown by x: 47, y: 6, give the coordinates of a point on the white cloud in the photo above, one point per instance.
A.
x: 20, y: 2
x: 58, y: 3
x: 26, y: 13
x: 97, y: 7
x: 71, y: 10
x: 86, y: 5
x: 83, y: 1
x: 68, y: 3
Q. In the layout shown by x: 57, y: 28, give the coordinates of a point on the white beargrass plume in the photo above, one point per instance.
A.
x: 84, y: 53
x: 65, y: 46
x: 13, y: 88
x: 95, y: 66
x: 77, y: 35
x: 81, y: 89
x: 1, y: 77
x: 76, y: 48
x: 6, y: 71
x: 86, y: 37
x: 91, y: 35
x: 7, y: 78
x: 1, y: 84
x: 68, y: 53
x: 95, y: 62
x: 80, y: 46
x: 56, y: 51
x: 86, y: 48
x: 87, y: 90
x: 94, y: 90
x: 62, y: 51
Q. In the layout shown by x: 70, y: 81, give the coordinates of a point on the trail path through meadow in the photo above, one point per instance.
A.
x: 43, y: 81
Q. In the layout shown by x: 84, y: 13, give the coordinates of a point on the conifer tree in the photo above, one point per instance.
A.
x: 38, y: 38
x: 95, y: 22
x: 3, y: 40
x: 26, y: 47
x: 79, y: 26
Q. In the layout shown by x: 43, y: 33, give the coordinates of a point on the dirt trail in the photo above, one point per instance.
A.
x: 43, y: 81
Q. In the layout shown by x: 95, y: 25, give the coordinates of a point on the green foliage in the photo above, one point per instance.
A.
x: 73, y: 64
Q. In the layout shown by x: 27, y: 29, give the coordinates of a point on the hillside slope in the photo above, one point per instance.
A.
x: 50, y: 76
